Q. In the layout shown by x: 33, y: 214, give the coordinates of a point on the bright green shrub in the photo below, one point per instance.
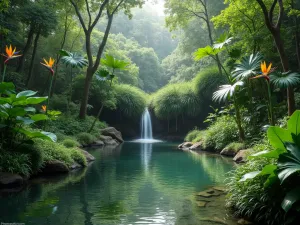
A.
x: 221, y: 133
x: 70, y: 143
x: 85, y: 138
x: 56, y: 151
x: 15, y: 162
x: 207, y: 82
x: 195, y: 135
x: 236, y: 146
x: 71, y: 125
x: 131, y: 101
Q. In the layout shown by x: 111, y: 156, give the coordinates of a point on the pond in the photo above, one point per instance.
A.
x: 132, y: 184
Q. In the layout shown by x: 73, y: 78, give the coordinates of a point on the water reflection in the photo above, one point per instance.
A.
x: 146, y: 152
x: 136, y: 183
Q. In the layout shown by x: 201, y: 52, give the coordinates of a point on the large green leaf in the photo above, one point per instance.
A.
x: 204, y: 52
x: 73, y: 59
x: 26, y: 93
x: 285, y: 80
x: 25, y: 120
x: 39, y: 117
x: 268, y: 154
x: 290, y: 198
x: 294, y: 123
x: 6, y: 87
x: 278, y: 136
x: 36, y: 134
x: 226, y: 91
x: 248, y: 67
x: 222, y: 41
x: 250, y: 175
x: 289, y: 163
x: 30, y: 109
x: 113, y: 63
x: 35, y: 100
x: 16, y: 111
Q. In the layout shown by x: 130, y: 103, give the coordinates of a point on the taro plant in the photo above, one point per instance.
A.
x: 286, y: 171
x: 108, y: 75
x: 17, y: 111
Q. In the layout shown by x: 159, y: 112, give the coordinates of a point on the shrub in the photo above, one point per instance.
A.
x: 207, y: 82
x: 71, y: 125
x: 70, y: 143
x: 85, y: 138
x: 59, y: 102
x: 236, y: 146
x: 15, y: 162
x: 56, y: 151
x: 195, y: 135
x: 221, y: 133
x: 131, y: 101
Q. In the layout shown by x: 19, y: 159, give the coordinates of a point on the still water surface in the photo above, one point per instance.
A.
x: 132, y: 184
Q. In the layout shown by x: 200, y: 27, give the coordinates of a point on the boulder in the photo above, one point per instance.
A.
x: 185, y: 145
x: 88, y: 156
x: 196, y: 146
x: 228, y: 152
x: 112, y: 132
x: 55, y: 166
x: 108, y: 140
x: 75, y: 166
x: 8, y: 180
x: 241, y: 156
x: 98, y: 143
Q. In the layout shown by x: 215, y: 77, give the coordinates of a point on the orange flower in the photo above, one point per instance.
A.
x: 49, y: 64
x: 44, y: 108
x: 10, y: 53
x: 265, y: 71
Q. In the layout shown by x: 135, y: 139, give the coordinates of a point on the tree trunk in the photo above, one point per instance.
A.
x: 285, y: 65
x: 84, y: 100
x: 97, y: 117
x: 239, y: 120
x: 32, y: 59
x: 25, y: 50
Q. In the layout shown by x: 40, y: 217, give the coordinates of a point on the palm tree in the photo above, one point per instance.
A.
x: 105, y: 75
x: 73, y: 60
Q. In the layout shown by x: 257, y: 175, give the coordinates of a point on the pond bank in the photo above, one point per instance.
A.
x: 14, y: 182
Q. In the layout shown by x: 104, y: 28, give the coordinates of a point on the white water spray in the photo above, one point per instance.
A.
x: 146, y: 126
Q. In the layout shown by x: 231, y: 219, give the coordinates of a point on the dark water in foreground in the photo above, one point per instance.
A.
x: 133, y: 184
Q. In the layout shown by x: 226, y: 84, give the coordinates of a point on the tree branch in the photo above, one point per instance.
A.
x: 265, y: 12
x: 272, y: 11
x: 79, y: 15
x: 281, y: 11
x: 117, y: 7
x: 88, y: 11
x: 99, y: 14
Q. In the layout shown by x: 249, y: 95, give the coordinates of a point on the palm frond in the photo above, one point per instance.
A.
x: 113, y: 63
x: 248, y: 67
x: 226, y: 91
x: 222, y: 41
x: 285, y: 80
x: 73, y: 59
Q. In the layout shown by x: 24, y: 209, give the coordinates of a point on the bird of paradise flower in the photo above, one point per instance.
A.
x: 11, y: 53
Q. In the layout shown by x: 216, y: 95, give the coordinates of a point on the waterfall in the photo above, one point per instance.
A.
x: 146, y: 131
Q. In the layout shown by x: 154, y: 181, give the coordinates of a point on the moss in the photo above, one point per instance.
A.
x: 70, y: 143
x: 57, y: 151
x: 85, y: 138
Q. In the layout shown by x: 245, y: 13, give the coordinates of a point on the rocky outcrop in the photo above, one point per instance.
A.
x: 54, y: 166
x: 241, y: 156
x: 197, y: 146
x: 185, y: 145
x: 88, y: 156
x: 98, y: 143
x: 75, y: 166
x: 228, y: 152
x: 108, y: 140
x: 244, y: 222
x: 112, y: 132
x: 9, y: 180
